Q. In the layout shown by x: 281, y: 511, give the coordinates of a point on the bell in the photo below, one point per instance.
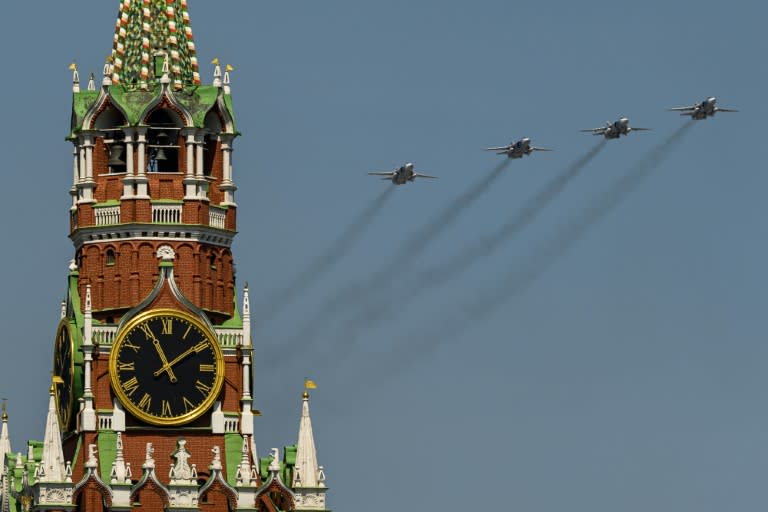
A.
x: 116, y: 155
x: 160, y: 155
x: 162, y: 139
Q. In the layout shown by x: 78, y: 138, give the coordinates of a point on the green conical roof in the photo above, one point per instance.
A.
x: 147, y: 32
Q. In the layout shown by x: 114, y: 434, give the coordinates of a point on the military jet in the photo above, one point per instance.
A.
x: 615, y: 129
x: 702, y: 110
x: 517, y: 149
x: 401, y: 175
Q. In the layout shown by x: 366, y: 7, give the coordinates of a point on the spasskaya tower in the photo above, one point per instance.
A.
x: 151, y: 401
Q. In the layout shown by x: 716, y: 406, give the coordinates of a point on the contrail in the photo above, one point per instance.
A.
x: 484, y: 247
x: 306, y: 278
x: 517, y: 281
x: 413, y: 246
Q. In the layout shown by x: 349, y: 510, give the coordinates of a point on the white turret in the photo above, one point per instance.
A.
x: 5, y: 439
x: 53, y: 486
x: 52, y: 466
x: 308, y: 477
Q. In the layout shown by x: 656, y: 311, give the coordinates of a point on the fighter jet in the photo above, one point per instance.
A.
x: 702, y: 110
x: 615, y: 129
x: 517, y: 149
x: 401, y: 175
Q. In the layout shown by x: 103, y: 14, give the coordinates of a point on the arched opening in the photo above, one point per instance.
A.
x: 111, y: 142
x: 213, y: 128
x: 163, y: 141
x: 110, y: 258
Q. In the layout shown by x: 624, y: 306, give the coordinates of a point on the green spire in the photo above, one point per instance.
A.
x: 146, y: 34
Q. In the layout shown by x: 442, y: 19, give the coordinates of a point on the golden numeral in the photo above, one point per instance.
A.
x: 131, y: 346
x: 167, y: 325
x: 126, y: 367
x: 147, y: 331
x: 166, y: 408
x: 189, y: 328
x: 187, y: 404
x: 209, y: 368
x: 202, y: 387
x: 145, y: 402
x: 130, y: 386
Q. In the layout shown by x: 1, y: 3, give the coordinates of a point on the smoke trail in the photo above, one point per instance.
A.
x: 351, y: 295
x: 306, y: 278
x: 484, y: 247
x: 519, y: 280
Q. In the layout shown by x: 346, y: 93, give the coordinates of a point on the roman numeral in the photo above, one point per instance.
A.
x: 202, y: 387
x: 147, y: 331
x: 189, y: 328
x: 187, y: 404
x: 207, y: 368
x: 131, y: 346
x: 166, y: 408
x: 145, y: 402
x: 126, y: 367
x: 130, y: 386
x: 167, y: 325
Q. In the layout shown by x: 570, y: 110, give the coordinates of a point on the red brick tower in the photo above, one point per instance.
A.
x: 151, y: 403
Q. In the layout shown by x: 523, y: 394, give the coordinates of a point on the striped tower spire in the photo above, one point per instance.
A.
x: 146, y: 33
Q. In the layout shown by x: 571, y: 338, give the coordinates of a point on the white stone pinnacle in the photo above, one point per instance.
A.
x: 306, y: 455
x: 53, y: 453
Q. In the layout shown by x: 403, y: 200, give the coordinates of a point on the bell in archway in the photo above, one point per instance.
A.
x: 116, y: 155
x: 160, y: 155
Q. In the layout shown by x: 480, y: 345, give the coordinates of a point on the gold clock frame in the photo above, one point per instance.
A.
x: 128, y: 404
x: 64, y: 324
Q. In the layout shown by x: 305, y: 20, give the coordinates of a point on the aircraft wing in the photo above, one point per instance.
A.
x: 501, y: 148
x: 541, y: 149
x: 640, y: 129
x: 596, y: 131
x: 418, y: 175
x: 726, y: 109
x: 388, y: 173
x: 683, y: 109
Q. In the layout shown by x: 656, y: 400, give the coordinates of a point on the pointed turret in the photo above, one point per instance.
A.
x: 52, y: 466
x: 148, y: 31
x: 308, y: 476
x: 5, y: 439
x: 307, y: 468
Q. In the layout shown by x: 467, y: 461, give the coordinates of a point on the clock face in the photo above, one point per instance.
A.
x: 64, y: 369
x: 166, y: 367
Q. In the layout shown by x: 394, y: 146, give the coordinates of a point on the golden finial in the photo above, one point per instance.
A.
x: 215, y: 61
x: 73, y: 66
x: 229, y: 67
x: 306, y: 395
x: 5, y: 410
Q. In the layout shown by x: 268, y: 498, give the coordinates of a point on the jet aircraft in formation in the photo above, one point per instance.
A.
x: 517, y: 149
x: 522, y: 147
x: 401, y: 175
x: 702, y: 110
x: 615, y: 129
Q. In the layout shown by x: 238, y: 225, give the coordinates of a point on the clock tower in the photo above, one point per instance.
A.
x: 151, y: 401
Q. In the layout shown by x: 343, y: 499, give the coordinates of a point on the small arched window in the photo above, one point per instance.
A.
x: 110, y: 257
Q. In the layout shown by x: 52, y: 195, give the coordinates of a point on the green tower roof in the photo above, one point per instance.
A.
x: 147, y: 32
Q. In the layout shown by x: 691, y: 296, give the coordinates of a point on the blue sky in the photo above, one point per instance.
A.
x: 610, y: 354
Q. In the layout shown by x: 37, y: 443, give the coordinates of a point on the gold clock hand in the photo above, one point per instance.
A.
x: 167, y: 366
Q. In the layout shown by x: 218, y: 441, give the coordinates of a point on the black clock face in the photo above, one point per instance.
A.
x: 64, y: 370
x: 166, y: 367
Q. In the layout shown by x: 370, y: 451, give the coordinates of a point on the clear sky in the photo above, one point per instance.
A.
x: 583, y: 329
